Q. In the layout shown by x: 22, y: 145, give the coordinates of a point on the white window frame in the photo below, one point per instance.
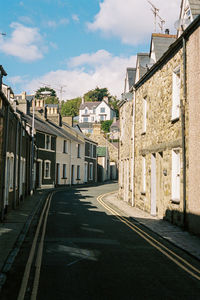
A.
x: 176, y: 87
x: 49, y: 175
x: 90, y: 171
x: 143, y: 174
x: 49, y: 147
x: 144, y: 124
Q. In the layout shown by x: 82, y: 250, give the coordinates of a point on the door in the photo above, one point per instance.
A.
x: 57, y: 173
x: 153, y: 185
x: 86, y: 172
x: 72, y: 175
x: 176, y: 175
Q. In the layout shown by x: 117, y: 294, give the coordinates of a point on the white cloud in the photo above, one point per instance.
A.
x: 24, y: 43
x: 55, y: 24
x: 132, y: 20
x: 75, y: 18
x: 87, y: 72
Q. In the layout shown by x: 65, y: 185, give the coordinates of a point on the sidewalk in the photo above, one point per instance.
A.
x: 14, y: 228
x: 174, y: 234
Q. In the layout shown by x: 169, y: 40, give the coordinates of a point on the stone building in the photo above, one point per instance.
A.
x: 165, y: 136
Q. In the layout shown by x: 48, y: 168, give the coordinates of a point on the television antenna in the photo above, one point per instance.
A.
x: 155, y: 11
x: 60, y: 89
x: 161, y: 24
x: 3, y: 33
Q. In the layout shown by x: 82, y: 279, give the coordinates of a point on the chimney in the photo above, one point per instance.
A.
x: 105, y: 99
x: 68, y: 120
x: 166, y: 31
x: 23, y: 96
x: 96, y: 129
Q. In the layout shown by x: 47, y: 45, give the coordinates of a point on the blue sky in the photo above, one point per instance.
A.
x: 77, y: 44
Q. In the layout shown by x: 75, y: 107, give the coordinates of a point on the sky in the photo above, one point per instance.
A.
x: 76, y: 45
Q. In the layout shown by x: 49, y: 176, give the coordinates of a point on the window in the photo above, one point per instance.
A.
x: 78, y: 173
x: 86, y: 111
x: 47, y: 141
x: 92, y: 119
x: 102, y: 109
x: 144, y: 125
x: 64, y: 146
x: 94, y: 110
x: 102, y: 118
x: 91, y: 171
x: 79, y: 151
x: 176, y: 94
x: 47, y: 165
x: 11, y: 172
x: 143, y: 174
x: 64, y: 171
x: 91, y: 150
x: 85, y: 119
x: 176, y: 175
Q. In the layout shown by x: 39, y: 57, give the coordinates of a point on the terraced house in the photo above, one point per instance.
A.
x: 166, y: 142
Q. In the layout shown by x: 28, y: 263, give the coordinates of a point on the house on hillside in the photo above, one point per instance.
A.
x: 95, y: 112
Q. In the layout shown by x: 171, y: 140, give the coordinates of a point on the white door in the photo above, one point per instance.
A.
x: 153, y: 185
x: 86, y: 173
x: 176, y: 175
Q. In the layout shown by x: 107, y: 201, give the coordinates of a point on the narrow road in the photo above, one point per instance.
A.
x: 83, y: 251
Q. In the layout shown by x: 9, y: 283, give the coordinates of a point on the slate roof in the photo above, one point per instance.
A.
x: 131, y: 72
x: 85, y: 125
x: 115, y: 124
x: 89, y: 105
x: 161, y: 43
x: 143, y: 61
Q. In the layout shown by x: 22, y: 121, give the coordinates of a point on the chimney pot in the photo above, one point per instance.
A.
x: 166, y: 31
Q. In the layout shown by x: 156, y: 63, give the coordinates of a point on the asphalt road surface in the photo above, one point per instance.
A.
x: 79, y: 249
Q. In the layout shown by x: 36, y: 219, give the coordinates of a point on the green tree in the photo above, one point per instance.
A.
x: 71, y: 107
x: 105, y: 125
x: 51, y: 98
x: 96, y: 94
x: 114, y: 103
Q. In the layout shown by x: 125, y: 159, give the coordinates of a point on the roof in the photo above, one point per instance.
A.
x: 3, y: 72
x: 85, y: 125
x: 143, y: 61
x: 52, y: 105
x: 195, y: 7
x: 131, y: 72
x: 115, y: 124
x: 89, y: 105
x: 101, y: 151
x: 161, y: 43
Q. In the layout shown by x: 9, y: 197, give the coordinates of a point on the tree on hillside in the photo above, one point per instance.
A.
x: 49, y: 99
x: 71, y: 107
x: 105, y: 125
x: 96, y: 94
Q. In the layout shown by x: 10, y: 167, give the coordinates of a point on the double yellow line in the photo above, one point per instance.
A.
x: 182, y: 263
x: 42, y: 223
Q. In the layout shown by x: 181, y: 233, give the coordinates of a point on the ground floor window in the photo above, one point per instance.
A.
x: 64, y: 171
x: 78, y: 173
x: 47, y: 171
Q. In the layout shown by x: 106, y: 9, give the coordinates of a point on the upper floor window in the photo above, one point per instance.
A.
x: 64, y: 146
x: 144, y: 125
x: 176, y: 82
x: 85, y: 119
x: 47, y: 142
x: 79, y: 150
x: 86, y: 111
x: 94, y: 110
x: 102, y: 109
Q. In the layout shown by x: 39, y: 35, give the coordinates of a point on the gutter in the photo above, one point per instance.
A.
x: 183, y: 132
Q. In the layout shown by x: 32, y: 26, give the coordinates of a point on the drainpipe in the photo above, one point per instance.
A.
x: 4, y: 162
x: 15, y: 163
x: 70, y: 162
x: 133, y: 151
x: 183, y: 133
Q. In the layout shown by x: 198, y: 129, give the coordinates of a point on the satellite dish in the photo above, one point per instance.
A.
x: 149, y: 64
x: 182, y: 23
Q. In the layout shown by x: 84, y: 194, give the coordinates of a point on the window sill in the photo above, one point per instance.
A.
x: 175, y: 201
x: 174, y: 120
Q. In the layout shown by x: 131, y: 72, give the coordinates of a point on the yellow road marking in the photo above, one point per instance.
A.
x: 31, y: 255
x: 156, y: 244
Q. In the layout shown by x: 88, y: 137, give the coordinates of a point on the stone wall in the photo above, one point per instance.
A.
x: 161, y: 136
x: 125, y: 152
x: 193, y: 97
